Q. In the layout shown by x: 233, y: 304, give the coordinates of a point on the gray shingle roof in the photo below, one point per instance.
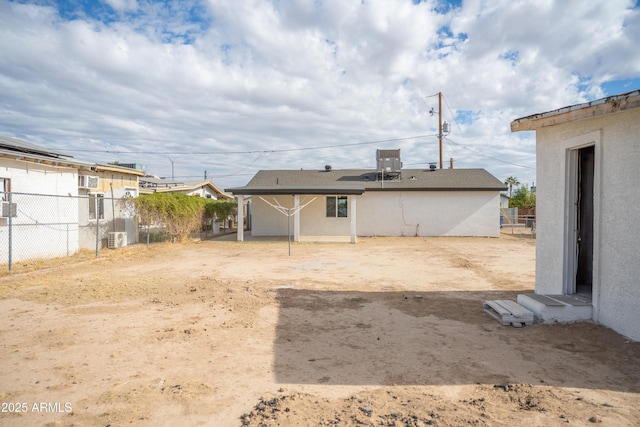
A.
x: 356, y: 181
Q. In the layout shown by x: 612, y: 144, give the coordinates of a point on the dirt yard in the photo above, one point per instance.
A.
x: 389, y: 332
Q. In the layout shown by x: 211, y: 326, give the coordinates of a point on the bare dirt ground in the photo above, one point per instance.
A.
x: 389, y: 332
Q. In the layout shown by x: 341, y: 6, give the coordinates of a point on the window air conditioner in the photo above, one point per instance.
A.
x: 5, y: 209
x: 117, y: 239
x: 88, y: 182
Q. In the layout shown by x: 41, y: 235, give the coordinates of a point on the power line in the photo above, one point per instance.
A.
x: 489, y: 157
x: 283, y: 150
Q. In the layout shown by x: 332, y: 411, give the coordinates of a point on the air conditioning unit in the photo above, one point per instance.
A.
x: 131, y: 192
x: 117, y: 239
x: 5, y: 209
x: 89, y: 182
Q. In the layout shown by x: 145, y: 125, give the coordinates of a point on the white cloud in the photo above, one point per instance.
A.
x: 260, y: 76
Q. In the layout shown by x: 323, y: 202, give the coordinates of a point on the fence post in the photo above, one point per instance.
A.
x: 97, y: 227
x: 10, y: 233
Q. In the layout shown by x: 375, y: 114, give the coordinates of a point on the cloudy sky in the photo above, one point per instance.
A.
x: 234, y: 86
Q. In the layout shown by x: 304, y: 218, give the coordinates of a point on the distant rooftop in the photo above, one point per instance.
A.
x: 12, y: 146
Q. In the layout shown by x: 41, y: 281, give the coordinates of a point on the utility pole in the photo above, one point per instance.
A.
x: 171, y: 160
x: 440, y: 125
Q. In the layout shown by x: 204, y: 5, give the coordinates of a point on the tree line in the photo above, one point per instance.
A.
x: 523, y: 197
x: 180, y: 215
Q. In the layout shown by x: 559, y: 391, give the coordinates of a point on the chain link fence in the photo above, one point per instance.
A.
x: 518, y: 221
x: 40, y: 228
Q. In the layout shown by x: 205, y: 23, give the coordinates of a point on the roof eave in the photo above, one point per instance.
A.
x: 39, y: 159
x: 612, y: 104
x: 115, y: 168
x: 295, y: 190
x: 438, y: 189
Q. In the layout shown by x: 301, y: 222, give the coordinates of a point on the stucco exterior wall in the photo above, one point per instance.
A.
x: 435, y: 213
x: 616, y: 289
x: 44, y: 226
x: 266, y: 221
x: 113, y: 185
x: 401, y: 213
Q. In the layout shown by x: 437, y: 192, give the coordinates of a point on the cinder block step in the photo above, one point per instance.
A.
x: 509, y: 313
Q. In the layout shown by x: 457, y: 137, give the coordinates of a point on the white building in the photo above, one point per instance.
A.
x: 102, y: 189
x: 588, y: 169
x: 206, y: 188
x: 45, y: 226
x: 340, y: 205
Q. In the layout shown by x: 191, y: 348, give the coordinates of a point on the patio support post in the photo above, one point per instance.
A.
x: 352, y: 202
x: 240, y: 218
x: 296, y: 218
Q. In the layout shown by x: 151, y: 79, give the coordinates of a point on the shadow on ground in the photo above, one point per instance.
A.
x: 438, y: 338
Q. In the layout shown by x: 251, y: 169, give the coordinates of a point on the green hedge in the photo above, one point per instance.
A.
x: 179, y: 214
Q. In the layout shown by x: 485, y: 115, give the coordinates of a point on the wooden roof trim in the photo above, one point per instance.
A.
x: 577, y: 112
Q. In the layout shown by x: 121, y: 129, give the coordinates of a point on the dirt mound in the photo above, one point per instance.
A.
x: 482, y: 405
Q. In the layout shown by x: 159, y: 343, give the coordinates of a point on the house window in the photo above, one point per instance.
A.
x: 96, y: 203
x: 5, y: 187
x: 336, y: 206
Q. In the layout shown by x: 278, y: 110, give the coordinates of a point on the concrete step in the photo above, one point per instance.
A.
x: 509, y: 313
x: 557, y: 308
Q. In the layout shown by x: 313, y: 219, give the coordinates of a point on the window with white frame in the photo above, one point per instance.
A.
x: 336, y: 206
x: 96, y: 205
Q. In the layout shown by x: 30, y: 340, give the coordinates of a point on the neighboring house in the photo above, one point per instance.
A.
x: 206, y: 189
x: 588, y: 169
x: 387, y: 201
x: 105, y: 187
x: 504, y: 200
x: 42, y: 226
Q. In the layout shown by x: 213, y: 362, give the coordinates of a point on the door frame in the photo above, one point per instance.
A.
x: 570, y: 261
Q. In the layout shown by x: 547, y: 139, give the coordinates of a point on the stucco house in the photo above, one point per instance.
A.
x: 101, y: 189
x: 42, y: 226
x: 206, y: 188
x: 59, y: 203
x: 588, y: 167
x: 341, y: 205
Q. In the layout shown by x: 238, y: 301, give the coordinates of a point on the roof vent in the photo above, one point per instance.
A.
x: 327, y: 168
x: 432, y: 166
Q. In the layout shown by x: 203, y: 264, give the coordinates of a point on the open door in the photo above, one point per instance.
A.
x: 584, y: 230
x: 580, y: 206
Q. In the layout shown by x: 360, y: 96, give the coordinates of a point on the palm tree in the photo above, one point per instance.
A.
x: 511, y: 181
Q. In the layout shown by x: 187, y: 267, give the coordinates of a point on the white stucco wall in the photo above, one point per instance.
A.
x: 616, y: 287
x: 44, y: 227
x: 126, y: 219
x: 435, y: 213
x: 266, y: 221
x: 401, y: 213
